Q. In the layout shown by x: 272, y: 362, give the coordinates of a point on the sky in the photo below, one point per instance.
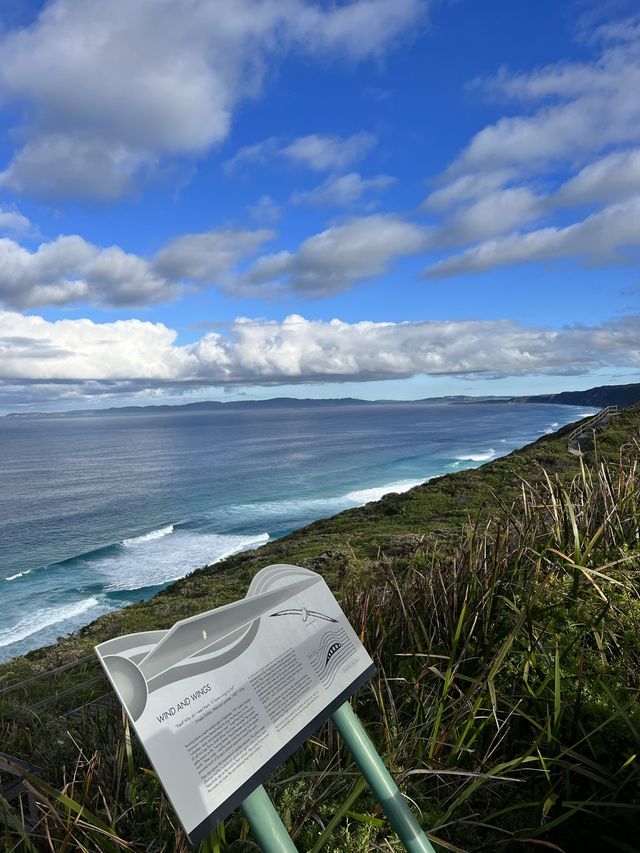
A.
x: 242, y: 199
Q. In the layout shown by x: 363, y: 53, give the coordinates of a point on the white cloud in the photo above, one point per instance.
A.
x: 259, y: 152
x: 70, y: 270
x: 74, y: 165
x: 108, y: 86
x: 493, y: 214
x: 342, y: 190
x: 574, y: 116
x: 314, y: 151
x: 465, y: 188
x: 144, y: 355
x: 359, y: 29
x: 34, y: 349
x: 205, y: 257
x: 611, y: 235
x: 336, y: 259
x: 13, y: 220
x: 265, y: 210
x: 328, y: 152
x: 585, y: 107
x: 612, y: 178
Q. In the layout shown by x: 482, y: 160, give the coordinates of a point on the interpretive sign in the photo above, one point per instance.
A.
x: 223, y: 698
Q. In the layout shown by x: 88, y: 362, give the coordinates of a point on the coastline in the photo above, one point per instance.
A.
x: 438, y: 508
x: 167, y: 523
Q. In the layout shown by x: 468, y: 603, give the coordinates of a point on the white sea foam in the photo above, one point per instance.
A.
x: 147, y: 537
x: 363, y: 496
x: 303, y: 510
x: 18, y: 575
x: 477, y: 457
x: 41, y: 619
x: 158, y: 561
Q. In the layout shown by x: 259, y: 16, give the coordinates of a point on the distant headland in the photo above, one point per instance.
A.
x: 603, y: 395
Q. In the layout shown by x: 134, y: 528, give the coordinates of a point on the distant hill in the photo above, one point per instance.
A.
x: 604, y: 395
x: 203, y: 406
x: 244, y: 405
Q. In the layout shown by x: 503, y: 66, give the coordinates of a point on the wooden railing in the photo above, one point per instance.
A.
x: 59, y: 698
x: 592, y: 423
x: 50, y: 692
x: 49, y: 673
x: 16, y: 791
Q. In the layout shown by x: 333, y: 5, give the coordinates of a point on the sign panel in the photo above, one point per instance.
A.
x: 223, y: 698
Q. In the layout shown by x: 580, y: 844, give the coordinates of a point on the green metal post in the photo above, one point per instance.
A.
x: 384, y: 788
x: 265, y: 823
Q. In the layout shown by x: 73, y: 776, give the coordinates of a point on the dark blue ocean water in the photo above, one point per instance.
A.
x: 102, y: 510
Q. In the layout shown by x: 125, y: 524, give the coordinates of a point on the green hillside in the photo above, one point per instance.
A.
x: 501, y: 606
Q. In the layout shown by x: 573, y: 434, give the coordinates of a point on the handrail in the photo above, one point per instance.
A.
x: 48, y: 700
x: 49, y: 672
x: 592, y: 422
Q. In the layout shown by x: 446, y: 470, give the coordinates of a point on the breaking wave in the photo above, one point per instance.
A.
x: 485, y: 456
x: 41, y: 619
x: 18, y: 575
x: 158, y: 561
x: 363, y: 496
x: 147, y: 537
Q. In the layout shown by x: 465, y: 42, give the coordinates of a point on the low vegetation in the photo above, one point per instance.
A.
x: 502, y: 608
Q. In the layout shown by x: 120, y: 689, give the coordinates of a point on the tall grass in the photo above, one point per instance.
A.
x: 506, y: 700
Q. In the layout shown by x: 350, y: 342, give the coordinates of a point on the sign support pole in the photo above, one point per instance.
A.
x: 382, y: 785
x: 265, y: 823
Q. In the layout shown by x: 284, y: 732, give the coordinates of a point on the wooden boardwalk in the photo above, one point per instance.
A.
x: 586, y: 430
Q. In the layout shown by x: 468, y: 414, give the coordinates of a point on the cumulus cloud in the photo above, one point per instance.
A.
x: 206, y: 257
x: 514, y: 172
x: 108, y: 88
x: 144, y: 355
x: 465, y: 188
x: 34, y: 349
x: 583, y: 108
x: 493, y: 214
x: 611, y: 178
x: 611, y: 235
x: 336, y: 259
x: 13, y: 221
x: 69, y: 269
x: 342, y: 190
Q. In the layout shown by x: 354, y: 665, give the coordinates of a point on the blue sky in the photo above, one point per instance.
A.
x: 372, y: 198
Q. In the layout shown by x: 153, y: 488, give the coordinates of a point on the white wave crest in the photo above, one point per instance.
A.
x: 18, y: 575
x: 477, y: 457
x: 364, y: 496
x: 147, y: 537
x: 159, y: 561
x: 41, y: 619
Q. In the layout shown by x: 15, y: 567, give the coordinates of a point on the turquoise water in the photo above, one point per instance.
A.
x: 102, y: 510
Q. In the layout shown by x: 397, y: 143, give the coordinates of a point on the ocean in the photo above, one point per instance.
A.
x: 101, y: 510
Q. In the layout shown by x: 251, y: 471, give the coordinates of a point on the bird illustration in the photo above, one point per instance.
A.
x: 306, y: 614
